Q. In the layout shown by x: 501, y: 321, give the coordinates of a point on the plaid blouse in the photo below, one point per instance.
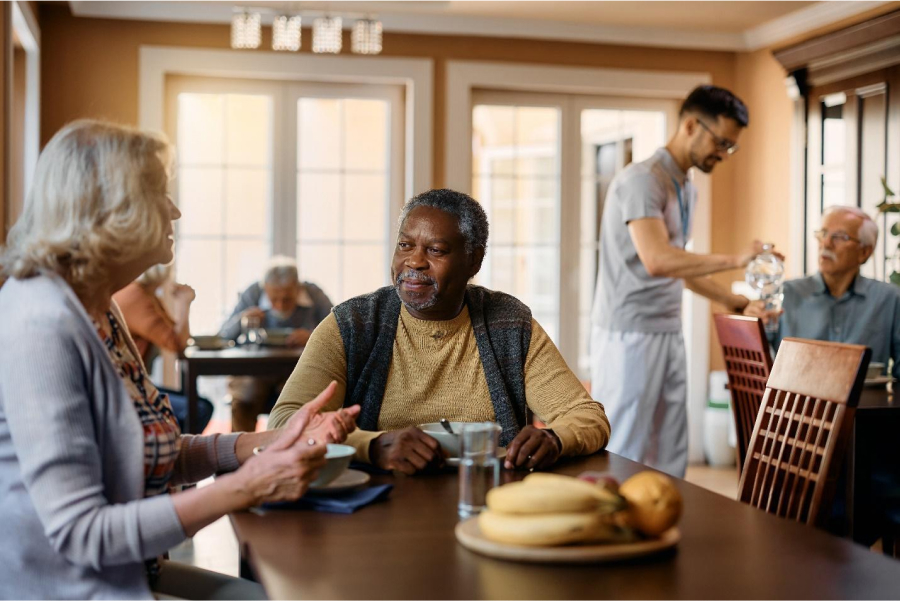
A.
x: 162, y: 436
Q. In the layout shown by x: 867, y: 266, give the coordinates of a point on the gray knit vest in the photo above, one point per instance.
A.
x: 502, y: 327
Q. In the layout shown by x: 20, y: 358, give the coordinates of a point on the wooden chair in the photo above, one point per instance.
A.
x: 748, y: 363
x: 801, y: 433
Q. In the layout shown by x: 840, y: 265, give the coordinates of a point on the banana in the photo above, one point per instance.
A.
x: 548, y: 529
x: 568, y: 483
x: 529, y: 498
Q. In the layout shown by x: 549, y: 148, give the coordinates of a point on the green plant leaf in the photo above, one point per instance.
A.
x: 887, y: 191
x: 895, y: 278
x: 895, y: 229
x: 889, y: 207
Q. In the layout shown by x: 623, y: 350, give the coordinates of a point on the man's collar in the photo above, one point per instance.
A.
x: 670, y: 166
x: 859, y: 287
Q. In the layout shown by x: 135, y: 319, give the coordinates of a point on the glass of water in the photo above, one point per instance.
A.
x: 479, y: 467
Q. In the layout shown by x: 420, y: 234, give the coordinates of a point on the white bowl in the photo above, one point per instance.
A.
x: 337, y: 460
x: 449, y: 442
x: 875, y: 370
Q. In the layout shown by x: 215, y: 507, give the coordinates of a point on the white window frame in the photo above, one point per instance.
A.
x: 465, y: 76
x: 415, y: 75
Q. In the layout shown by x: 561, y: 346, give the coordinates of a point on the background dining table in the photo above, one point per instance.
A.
x: 238, y: 361
x: 405, y: 548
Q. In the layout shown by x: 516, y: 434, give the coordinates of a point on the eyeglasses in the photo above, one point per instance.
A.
x: 842, y: 237
x: 722, y: 144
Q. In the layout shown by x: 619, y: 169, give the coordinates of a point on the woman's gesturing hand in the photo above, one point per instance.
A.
x: 333, y: 426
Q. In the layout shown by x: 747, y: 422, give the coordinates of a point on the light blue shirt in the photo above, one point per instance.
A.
x: 868, y: 313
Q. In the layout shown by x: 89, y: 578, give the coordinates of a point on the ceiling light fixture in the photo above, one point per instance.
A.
x: 286, y: 33
x: 245, y: 30
x: 327, y: 35
x: 366, y: 37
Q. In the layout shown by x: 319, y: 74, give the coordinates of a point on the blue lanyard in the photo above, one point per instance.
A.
x: 685, y: 211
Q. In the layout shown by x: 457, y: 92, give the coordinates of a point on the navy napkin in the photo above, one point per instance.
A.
x: 343, y: 502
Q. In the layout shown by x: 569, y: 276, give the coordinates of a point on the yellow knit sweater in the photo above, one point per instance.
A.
x: 436, y: 372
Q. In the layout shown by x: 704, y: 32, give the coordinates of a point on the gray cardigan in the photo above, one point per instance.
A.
x: 73, y: 520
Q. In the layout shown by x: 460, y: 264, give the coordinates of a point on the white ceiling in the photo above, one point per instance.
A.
x: 712, y: 24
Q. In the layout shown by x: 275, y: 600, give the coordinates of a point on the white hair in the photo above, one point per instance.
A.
x: 868, y: 230
x: 156, y: 276
x: 282, y: 271
x: 98, y: 201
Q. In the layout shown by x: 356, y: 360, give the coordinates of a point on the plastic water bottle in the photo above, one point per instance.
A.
x: 765, y: 274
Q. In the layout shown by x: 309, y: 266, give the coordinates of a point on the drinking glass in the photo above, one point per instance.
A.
x: 251, y: 330
x: 479, y: 467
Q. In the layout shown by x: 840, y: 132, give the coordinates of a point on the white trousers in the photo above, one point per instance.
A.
x: 641, y: 379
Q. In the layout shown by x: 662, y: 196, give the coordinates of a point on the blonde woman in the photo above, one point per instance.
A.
x: 152, y: 328
x: 89, y: 450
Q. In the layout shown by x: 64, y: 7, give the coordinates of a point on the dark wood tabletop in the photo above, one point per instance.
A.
x: 404, y: 548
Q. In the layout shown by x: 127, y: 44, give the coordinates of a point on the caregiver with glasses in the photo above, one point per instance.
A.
x: 89, y: 449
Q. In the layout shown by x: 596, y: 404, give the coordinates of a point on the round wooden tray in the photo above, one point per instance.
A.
x: 469, y: 536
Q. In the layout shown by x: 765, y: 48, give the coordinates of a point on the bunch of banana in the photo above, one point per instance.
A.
x: 549, y: 510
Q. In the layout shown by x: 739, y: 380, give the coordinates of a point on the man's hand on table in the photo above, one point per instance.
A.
x: 408, y: 451
x: 298, y: 337
x: 758, y: 309
x: 533, y: 448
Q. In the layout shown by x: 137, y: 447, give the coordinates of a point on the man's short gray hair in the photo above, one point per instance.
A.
x: 868, y: 230
x: 473, y: 221
x: 282, y: 271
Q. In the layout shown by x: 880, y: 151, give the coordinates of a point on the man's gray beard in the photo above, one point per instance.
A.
x: 421, y: 306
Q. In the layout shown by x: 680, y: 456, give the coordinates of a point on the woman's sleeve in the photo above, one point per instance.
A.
x: 51, y: 418
x: 204, y: 456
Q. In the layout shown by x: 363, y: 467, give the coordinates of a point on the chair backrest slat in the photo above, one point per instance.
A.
x: 748, y: 364
x: 799, y: 439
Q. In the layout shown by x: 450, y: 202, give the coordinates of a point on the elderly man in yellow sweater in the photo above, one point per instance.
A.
x: 433, y: 346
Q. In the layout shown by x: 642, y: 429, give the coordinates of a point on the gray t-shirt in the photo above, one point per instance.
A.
x: 628, y: 299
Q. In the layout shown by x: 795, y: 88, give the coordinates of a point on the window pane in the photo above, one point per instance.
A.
x: 198, y: 263
x: 318, y: 206
x: 320, y: 264
x: 245, y: 262
x: 248, y: 140
x: 365, y: 208
x: 200, y: 200
x: 318, y: 133
x: 364, y: 269
x: 201, y: 136
x: 247, y: 202
x: 516, y: 162
x: 493, y: 129
x: 365, y: 134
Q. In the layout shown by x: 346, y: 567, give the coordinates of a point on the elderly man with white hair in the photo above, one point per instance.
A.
x: 838, y: 303
x: 280, y: 301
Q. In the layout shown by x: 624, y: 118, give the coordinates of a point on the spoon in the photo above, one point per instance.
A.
x: 447, y: 427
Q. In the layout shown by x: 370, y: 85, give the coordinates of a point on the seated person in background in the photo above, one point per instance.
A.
x: 431, y: 346
x: 281, y: 300
x: 154, y: 329
x: 838, y: 303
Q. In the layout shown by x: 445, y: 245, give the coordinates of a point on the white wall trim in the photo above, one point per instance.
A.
x: 25, y: 24
x: 464, y: 76
x: 438, y: 23
x: 417, y: 75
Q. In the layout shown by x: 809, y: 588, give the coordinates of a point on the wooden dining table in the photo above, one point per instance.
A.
x: 404, y: 548
x: 873, y: 455
x: 238, y: 361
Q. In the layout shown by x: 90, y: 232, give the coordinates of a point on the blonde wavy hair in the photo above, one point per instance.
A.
x: 98, y: 201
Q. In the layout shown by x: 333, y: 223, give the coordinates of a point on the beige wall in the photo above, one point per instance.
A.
x: 758, y: 205
x: 90, y: 69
